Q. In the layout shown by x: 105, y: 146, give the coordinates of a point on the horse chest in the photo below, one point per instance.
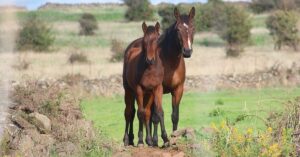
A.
x: 151, y: 79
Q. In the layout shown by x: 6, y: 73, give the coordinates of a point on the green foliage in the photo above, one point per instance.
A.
x: 283, y: 28
x: 118, y: 48
x: 207, y: 15
x: 88, y: 24
x: 234, y: 27
x: 259, y: 6
x: 35, y: 35
x: 167, y: 14
x: 138, y: 10
x: 216, y: 112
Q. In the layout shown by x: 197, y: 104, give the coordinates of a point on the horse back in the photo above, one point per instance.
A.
x: 131, y: 55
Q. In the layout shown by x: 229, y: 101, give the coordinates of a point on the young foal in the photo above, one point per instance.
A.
x: 142, y: 80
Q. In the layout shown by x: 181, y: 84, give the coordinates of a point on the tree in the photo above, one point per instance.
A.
x: 35, y: 34
x: 234, y: 27
x: 283, y: 28
x: 138, y: 10
x: 88, y: 24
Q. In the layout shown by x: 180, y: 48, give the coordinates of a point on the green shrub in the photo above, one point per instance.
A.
x: 138, y: 10
x: 117, y: 48
x: 283, y: 28
x: 259, y: 6
x: 35, y: 35
x: 88, y: 24
x: 234, y: 27
x: 167, y: 15
x: 207, y: 15
x: 216, y: 112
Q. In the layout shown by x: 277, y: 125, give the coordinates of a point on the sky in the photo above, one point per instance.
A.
x: 33, y: 4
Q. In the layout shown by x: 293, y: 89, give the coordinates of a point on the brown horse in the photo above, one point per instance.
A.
x: 175, y: 45
x: 142, y: 80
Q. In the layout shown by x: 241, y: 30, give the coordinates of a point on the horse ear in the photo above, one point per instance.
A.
x: 157, y: 26
x: 192, y: 13
x: 144, y: 26
x: 176, y: 13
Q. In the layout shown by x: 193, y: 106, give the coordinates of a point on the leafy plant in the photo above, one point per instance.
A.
x: 138, y: 10
x: 283, y: 28
x: 88, y: 24
x: 234, y: 27
x: 35, y: 34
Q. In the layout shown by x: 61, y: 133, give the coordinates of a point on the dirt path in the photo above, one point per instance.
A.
x: 150, y: 152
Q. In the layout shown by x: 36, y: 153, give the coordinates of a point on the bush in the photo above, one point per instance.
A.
x: 88, y: 24
x: 35, y: 35
x: 138, y: 10
x: 167, y: 15
x: 234, y: 27
x: 283, y: 28
x: 229, y: 141
x: 118, y: 48
x: 207, y: 15
x: 78, y: 57
x: 259, y: 6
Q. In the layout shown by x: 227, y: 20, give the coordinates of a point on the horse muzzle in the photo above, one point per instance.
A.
x: 187, y: 53
x: 150, y: 61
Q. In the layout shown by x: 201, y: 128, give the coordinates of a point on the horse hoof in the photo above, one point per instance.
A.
x: 166, y: 145
x: 126, y: 140
x: 140, y: 145
x: 149, y: 143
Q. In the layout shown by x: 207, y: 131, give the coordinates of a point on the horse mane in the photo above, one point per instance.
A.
x: 166, y: 34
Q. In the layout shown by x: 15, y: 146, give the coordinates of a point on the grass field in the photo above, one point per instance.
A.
x: 197, y: 110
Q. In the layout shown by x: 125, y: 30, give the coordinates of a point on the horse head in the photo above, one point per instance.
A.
x: 185, y: 30
x: 151, y: 34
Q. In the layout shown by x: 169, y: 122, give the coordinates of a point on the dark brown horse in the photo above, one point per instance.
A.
x: 175, y: 45
x: 142, y: 80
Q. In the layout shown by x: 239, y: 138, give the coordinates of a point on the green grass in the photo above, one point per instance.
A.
x: 116, y: 14
x: 107, y: 113
x: 259, y: 21
x: 261, y: 39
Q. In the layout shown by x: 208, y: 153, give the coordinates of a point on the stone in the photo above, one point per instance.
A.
x: 66, y: 149
x: 41, y: 121
x: 21, y: 122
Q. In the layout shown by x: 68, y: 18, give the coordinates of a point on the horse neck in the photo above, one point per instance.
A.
x: 171, y: 47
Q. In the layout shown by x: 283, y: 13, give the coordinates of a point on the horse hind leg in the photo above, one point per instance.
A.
x: 129, y: 114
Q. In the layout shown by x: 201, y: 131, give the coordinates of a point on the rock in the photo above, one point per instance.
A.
x: 42, y: 122
x: 66, y: 149
x: 21, y: 122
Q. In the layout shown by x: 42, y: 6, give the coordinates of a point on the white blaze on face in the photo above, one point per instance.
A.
x: 189, y: 41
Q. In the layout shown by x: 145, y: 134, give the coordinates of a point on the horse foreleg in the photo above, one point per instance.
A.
x: 129, y: 117
x: 140, y: 114
x: 148, y: 100
x: 155, y: 121
x: 176, y: 98
x: 160, y: 113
